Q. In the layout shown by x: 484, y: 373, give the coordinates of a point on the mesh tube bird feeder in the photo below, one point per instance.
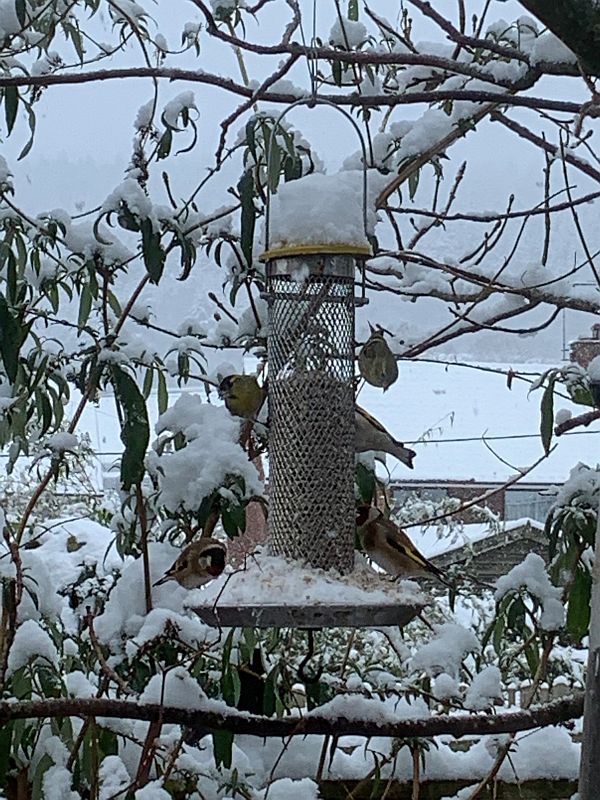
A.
x: 310, y: 343
x: 310, y: 296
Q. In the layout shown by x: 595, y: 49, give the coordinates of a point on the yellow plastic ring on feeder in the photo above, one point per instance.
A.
x: 316, y: 250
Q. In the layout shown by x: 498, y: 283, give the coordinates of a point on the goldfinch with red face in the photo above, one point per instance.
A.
x: 199, y: 563
x: 389, y: 547
x: 371, y: 435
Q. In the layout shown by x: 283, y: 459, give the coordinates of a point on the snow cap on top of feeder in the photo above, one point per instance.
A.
x: 321, y: 213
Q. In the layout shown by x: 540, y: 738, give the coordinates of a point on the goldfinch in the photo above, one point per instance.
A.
x: 242, y: 395
x: 371, y: 435
x: 376, y: 361
x: 389, y: 547
x: 198, y: 563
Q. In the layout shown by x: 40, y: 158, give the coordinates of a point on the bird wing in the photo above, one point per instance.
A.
x: 371, y: 420
x: 403, y: 545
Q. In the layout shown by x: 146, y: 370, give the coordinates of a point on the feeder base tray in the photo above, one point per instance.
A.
x: 321, y: 616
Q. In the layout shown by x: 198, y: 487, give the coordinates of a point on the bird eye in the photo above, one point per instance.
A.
x: 183, y: 564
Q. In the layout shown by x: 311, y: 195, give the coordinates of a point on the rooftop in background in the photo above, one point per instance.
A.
x: 433, y: 541
x: 445, y: 411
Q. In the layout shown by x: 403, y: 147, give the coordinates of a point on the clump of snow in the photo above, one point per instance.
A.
x: 445, y: 687
x: 125, y: 610
x: 68, y: 546
x: 174, y: 688
x: 5, y: 175
x: 143, y: 117
x: 320, y: 209
x: 78, y: 685
x: 549, y: 48
x: 114, y: 777
x: 348, y: 34
x: 175, y: 106
x: 223, y: 8
x: 127, y: 11
x: 272, y: 580
x: 444, y: 653
x: 581, y: 487
x: 288, y: 789
x: 531, y: 574
x: 152, y: 791
x: 130, y: 194
x: 31, y: 644
x: 562, y: 415
x: 57, y: 784
x: 485, y: 689
x: 59, y: 442
x: 211, y: 456
x: 372, y: 709
x: 593, y: 369
x: 189, y: 630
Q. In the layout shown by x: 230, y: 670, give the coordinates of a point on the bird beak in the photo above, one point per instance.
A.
x: 168, y: 576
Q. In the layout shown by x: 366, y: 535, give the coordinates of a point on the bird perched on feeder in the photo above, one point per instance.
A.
x: 371, y: 435
x: 389, y: 547
x: 197, y: 564
x: 376, y: 361
x: 242, y: 395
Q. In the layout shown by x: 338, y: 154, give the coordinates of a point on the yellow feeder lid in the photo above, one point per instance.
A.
x: 286, y: 251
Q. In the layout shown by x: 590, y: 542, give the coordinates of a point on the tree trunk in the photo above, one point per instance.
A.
x: 589, y: 774
x: 576, y: 23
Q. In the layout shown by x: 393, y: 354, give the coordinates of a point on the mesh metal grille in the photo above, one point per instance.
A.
x: 311, y: 410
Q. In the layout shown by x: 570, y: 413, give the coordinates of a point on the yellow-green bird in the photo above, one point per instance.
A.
x: 376, y: 361
x: 242, y: 395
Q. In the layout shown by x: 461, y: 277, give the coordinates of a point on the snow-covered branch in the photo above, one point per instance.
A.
x: 205, y: 721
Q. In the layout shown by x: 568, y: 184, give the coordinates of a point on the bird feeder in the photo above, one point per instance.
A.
x: 310, y: 293
x: 310, y: 296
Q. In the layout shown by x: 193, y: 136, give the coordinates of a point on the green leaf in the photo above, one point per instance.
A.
x: 163, y: 395
x: 11, y: 338
x: 547, y: 416
x: 233, y: 518
x: 135, y: 428
x: 353, y: 10
x: 336, y: 71
x: 21, y: 12
x: 164, y: 147
x: 222, y: 748
x: 365, y: 482
x: 274, y: 166
x: 533, y: 658
x: 11, y: 104
x: 152, y: 251
x: 578, y: 610
x: 42, y: 767
x: 148, y: 380
x: 413, y: 183
x: 248, y: 219
x: 29, y: 144
x: 85, y: 307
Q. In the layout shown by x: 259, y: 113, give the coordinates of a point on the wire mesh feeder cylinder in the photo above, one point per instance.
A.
x: 311, y: 408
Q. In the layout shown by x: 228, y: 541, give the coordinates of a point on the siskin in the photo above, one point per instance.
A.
x: 198, y: 563
x: 242, y: 395
x: 376, y: 361
x: 371, y: 435
x: 389, y: 547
